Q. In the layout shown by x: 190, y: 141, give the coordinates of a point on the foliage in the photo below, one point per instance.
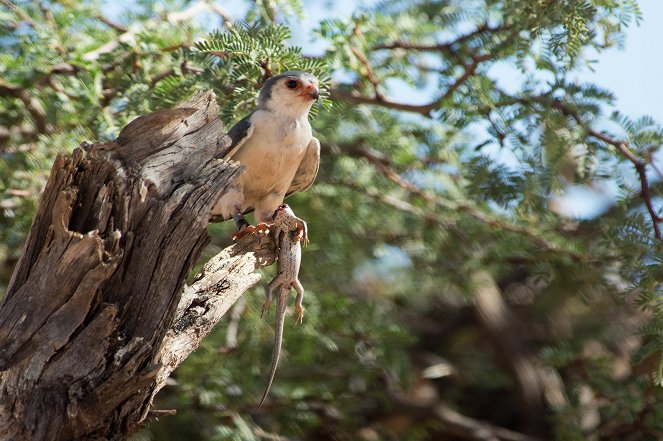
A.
x: 443, y: 273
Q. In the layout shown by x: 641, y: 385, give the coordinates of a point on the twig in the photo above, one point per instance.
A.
x: 384, y: 165
x: 48, y: 18
x: 353, y: 98
x: 424, y: 109
x: 171, y: 17
x: 501, y: 328
x: 652, y: 162
x: 19, y: 11
x: 27, y: 132
x: 369, y: 72
x: 443, y: 47
x: 221, y: 12
x: 233, y: 326
x: 158, y: 77
x: 623, y: 148
x: 267, y: 71
x: 403, y: 206
x: 158, y: 413
x: 31, y: 103
x: 456, y: 423
x: 260, y: 433
x: 117, y: 26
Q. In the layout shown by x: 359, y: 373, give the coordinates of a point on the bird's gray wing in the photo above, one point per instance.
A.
x: 308, y: 168
x: 238, y: 135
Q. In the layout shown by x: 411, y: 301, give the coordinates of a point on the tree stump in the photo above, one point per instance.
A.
x: 94, y: 319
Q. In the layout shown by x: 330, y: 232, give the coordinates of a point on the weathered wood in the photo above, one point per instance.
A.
x: 94, y: 320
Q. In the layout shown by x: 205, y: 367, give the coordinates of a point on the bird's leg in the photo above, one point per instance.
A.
x: 298, y: 300
x: 240, y: 221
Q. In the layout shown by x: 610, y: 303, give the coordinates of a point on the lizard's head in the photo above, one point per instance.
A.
x: 284, y: 210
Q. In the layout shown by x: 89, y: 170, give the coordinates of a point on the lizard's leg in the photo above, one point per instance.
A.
x: 270, y: 290
x: 301, y: 233
x: 298, y: 300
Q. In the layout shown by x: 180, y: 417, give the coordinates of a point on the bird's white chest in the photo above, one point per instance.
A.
x: 273, y: 152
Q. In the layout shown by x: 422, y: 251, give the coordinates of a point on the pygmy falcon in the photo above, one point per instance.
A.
x: 275, y: 144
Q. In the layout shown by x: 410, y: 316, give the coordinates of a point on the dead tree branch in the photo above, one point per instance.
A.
x: 96, y: 318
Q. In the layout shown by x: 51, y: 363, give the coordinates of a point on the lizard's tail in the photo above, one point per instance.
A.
x: 281, y: 303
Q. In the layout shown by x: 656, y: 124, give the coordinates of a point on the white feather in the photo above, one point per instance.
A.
x: 277, y: 141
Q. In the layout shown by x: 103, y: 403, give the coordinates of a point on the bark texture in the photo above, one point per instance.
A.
x: 94, y: 320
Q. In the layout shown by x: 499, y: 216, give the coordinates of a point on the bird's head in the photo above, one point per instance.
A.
x: 292, y: 92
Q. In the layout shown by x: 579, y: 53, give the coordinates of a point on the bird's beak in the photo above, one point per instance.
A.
x: 311, y: 92
x: 314, y: 94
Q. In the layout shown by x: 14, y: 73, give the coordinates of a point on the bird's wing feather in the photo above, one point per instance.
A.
x: 308, y: 168
x: 238, y: 134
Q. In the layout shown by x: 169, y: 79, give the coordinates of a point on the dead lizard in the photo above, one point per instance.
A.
x: 289, y: 232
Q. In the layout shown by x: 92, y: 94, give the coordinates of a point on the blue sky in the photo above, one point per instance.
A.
x: 633, y: 73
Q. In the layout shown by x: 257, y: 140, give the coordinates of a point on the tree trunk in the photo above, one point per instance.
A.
x: 94, y: 319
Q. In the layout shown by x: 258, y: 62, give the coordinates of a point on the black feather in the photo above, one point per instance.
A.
x: 237, y: 134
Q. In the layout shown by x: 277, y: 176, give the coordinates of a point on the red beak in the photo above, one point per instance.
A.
x: 311, y: 92
x: 314, y: 94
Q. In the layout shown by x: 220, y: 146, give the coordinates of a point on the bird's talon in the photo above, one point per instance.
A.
x: 250, y: 229
x: 243, y: 231
x: 262, y: 227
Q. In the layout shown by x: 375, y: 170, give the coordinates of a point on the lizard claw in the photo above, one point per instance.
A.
x: 300, y: 315
x: 265, y: 307
x: 300, y: 234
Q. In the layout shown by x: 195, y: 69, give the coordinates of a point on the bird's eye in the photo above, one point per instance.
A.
x: 292, y: 84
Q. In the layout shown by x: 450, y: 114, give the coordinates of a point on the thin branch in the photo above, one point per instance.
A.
x: 502, y: 329
x: 387, y: 168
x: 48, y: 18
x: 260, y: 433
x: 353, y: 98
x: 424, y: 109
x: 233, y: 326
x: 158, y: 77
x: 117, y: 26
x: 441, y: 47
x: 171, y: 17
x: 622, y: 147
x: 155, y: 414
x: 19, y: 11
x: 32, y: 104
x: 403, y: 206
x: 455, y: 423
x: 652, y: 162
x: 221, y: 12
x: 369, y: 72
x: 27, y: 132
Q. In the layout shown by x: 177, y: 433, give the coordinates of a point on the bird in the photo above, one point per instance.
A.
x: 276, y: 146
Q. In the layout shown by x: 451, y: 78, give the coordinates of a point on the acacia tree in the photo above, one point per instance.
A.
x: 446, y: 295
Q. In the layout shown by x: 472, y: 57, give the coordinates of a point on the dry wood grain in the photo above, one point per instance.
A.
x: 97, y: 316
